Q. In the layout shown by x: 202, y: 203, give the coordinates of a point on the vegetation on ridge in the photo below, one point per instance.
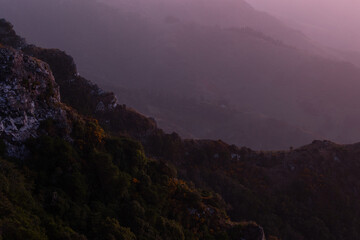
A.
x: 100, y: 187
x: 100, y: 184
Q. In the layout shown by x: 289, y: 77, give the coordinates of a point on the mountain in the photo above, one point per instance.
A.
x: 64, y: 177
x: 306, y: 193
x: 227, y: 14
x: 263, y: 79
x: 92, y: 183
x: 247, y: 125
x: 186, y: 117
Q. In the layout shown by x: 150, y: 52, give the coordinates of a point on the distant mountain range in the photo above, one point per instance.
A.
x: 227, y: 14
x: 76, y: 164
x: 272, y: 86
x: 64, y: 177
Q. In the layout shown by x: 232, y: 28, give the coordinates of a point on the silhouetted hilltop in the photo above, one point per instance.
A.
x: 292, y: 95
x: 99, y: 183
x: 64, y: 177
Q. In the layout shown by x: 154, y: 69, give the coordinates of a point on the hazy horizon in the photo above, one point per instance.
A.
x: 190, y: 64
x: 330, y: 22
x: 179, y: 120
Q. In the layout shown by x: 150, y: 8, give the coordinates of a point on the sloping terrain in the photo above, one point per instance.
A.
x: 192, y: 118
x: 300, y: 95
x: 69, y: 179
x: 306, y: 193
x: 225, y: 13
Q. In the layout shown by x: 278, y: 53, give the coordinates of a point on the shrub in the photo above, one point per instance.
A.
x: 113, y: 231
x: 170, y: 229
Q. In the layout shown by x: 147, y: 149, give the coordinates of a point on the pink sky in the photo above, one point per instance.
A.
x: 334, y: 22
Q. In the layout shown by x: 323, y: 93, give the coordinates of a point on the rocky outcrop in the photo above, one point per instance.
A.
x: 81, y: 94
x: 28, y: 96
x: 307, y: 193
x: 89, y: 99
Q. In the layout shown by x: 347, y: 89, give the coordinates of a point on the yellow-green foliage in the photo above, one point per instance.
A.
x: 113, y: 230
x: 17, y: 220
x: 98, y: 187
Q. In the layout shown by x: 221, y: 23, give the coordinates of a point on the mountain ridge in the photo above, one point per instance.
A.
x: 81, y: 183
x: 304, y: 193
x: 243, y: 68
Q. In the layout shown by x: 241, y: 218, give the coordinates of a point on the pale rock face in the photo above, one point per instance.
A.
x: 28, y: 95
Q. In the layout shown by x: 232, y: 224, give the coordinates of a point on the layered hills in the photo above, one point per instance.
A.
x: 64, y: 177
x: 115, y: 175
x: 240, y: 71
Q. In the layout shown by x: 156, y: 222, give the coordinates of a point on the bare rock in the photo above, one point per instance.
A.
x: 28, y: 95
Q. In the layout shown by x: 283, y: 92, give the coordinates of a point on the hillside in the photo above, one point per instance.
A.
x: 225, y: 13
x: 305, y: 193
x: 64, y: 177
x: 186, y: 117
x: 170, y: 66
x: 262, y: 78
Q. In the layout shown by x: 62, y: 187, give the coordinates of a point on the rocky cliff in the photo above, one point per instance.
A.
x: 63, y: 177
x: 306, y: 193
x: 28, y: 96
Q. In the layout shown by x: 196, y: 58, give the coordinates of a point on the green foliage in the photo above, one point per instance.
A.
x: 128, y: 155
x: 87, y: 133
x: 99, y: 187
x: 113, y: 230
x: 17, y: 205
x: 107, y: 176
x: 170, y: 229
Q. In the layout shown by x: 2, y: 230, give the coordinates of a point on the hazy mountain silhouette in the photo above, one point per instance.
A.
x: 274, y: 83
